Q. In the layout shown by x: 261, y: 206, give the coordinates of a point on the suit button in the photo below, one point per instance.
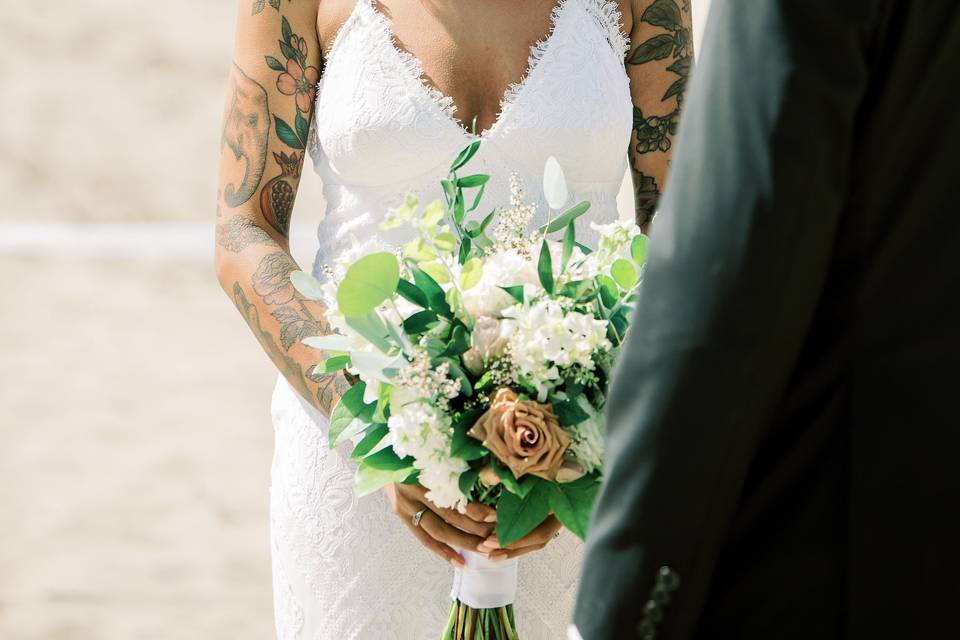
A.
x: 667, y: 579
x: 652, y: 611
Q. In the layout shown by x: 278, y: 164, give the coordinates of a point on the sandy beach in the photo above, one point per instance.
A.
x: 135, y: 439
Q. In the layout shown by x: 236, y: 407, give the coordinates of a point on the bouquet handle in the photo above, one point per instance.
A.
x: 483, y: 584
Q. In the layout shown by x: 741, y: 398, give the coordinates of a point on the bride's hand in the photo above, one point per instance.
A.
x: 441, y: 529
x: 533, y: 541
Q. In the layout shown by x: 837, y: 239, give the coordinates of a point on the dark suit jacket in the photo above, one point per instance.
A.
x: 784, y: 435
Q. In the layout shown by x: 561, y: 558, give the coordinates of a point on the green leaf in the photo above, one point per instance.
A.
x: 307, y: 285
x: 458, y: 208
x: 369, y: 282
x: 350, y: 416
x: 663, y: 13
x: 569, y: 240
x: 545, y: 267
x: 465, y: 245
x: 471, y: 273
x: 514, y: 486
x: 286, y: 134
x: 569, y: 412
x: 474, y: 229
x: 465, y: 155
x: 476, y: 198
x: 638, y: 248
x: 624, y: 273
x: 465, y: 446
x: 412, y: 294
x: 285, y: 29
x: 303, y: 127
x: 373, y: 329
x: 373, y: 437
x: 336, y: 363
x: 467, y: 479
x: 516, y: 517
x: 576, y: 289
x: 566, y: 217
x: 458, y: 343
x: 609, y: 292
x: 370, y: 479
x: 382, y: 410
x: 387, y: 460
x: 554, y: 184
x: 572, y: 503
x: 436, y: 297
x: 675, y: 89
x: 457, y: 373
x: 516, y: 291
x: 275, y: 64
x: 656, y: 48
x: 330, y: 342
x: 475, y: 180
x: 420, y: 322
x: 436, y: 270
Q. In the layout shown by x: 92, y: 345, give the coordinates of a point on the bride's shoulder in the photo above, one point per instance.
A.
x: 331, y: 14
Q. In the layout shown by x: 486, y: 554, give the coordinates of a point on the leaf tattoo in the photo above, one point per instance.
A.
x: 654, y: 132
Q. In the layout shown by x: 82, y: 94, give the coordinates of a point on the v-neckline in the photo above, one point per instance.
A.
x: 445, y: 104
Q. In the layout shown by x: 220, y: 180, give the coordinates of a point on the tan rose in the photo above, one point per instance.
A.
x: 522, y: 434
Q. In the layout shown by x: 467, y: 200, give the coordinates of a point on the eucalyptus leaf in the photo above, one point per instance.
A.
x: 554, y: 184
x: 376, y: 366
x: 388, y: 460
x: 624, y: 273
x: 368, y: 283
x: 335, y: 363
x: 373, y: 329
x: 308, y: 286
x: 471, y: 273
x: 515, y: 291
x: 436, y: 271
x: 638, y: 248
x: 332, y: 342
x: 476, y: 180
x: 516, y: 517
x: 609, y: 292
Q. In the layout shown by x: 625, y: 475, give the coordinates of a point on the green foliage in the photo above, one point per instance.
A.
x: 412, y: 293
x: 566, y: 217
x: 624, y: 273
x: 350, y: 417
x: 369, y: 282
x: 569, y: 412
x: 545, y: 267
x: 516, y: 516
x: 572, y: 503
x: 638, y: 248
x: 374, y: 435
x: 435, y: 295
x: 464, y: 446
x: 308, y: 286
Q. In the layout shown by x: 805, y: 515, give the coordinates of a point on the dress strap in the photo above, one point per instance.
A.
x: 608, y: 16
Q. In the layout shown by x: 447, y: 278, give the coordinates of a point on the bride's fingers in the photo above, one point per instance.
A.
x: 481, y: 513
x: 461, y: 521
x: 443, y: 532
x: 505, y: 554
x: 444, y: 551
x: 475, y: 511
x: 540, y: 536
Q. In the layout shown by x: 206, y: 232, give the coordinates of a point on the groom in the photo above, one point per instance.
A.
x: 784, y: 437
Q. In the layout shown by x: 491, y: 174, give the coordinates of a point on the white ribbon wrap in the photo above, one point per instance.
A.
x: 483, y: 584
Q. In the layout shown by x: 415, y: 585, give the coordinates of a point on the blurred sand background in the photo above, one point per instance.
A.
x: 135, y: 440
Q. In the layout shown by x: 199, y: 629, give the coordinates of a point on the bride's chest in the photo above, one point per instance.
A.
x: 380, y: 121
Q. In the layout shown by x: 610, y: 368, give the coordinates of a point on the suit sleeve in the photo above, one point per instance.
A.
x: 739, y: 255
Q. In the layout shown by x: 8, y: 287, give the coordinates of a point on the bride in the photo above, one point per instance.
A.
x: 382, y: 94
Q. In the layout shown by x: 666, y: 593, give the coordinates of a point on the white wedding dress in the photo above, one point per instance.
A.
x: 346, y: 568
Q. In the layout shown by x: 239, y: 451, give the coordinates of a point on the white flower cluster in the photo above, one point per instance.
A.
x: 502, y: 269
x: 613, y: 242
x: 546, y: 337
x: 512, y: 223
x: 419, y: 380
x: 425, y: 432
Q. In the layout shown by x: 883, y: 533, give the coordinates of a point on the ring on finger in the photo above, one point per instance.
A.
x: 557, y: 534
x: 418, y: 516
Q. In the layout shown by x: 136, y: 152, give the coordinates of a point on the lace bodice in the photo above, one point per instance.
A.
x: 345, y: 568
x: 382, y: 131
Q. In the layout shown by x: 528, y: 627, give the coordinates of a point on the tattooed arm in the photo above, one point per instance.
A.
x: 266, y: 120
x: 658, y: 63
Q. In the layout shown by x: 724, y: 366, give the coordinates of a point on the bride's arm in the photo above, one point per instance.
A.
x: 658, y: 63
x: 267, y: 114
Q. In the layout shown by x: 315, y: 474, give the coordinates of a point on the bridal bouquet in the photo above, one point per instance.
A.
x: 483, y: 352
